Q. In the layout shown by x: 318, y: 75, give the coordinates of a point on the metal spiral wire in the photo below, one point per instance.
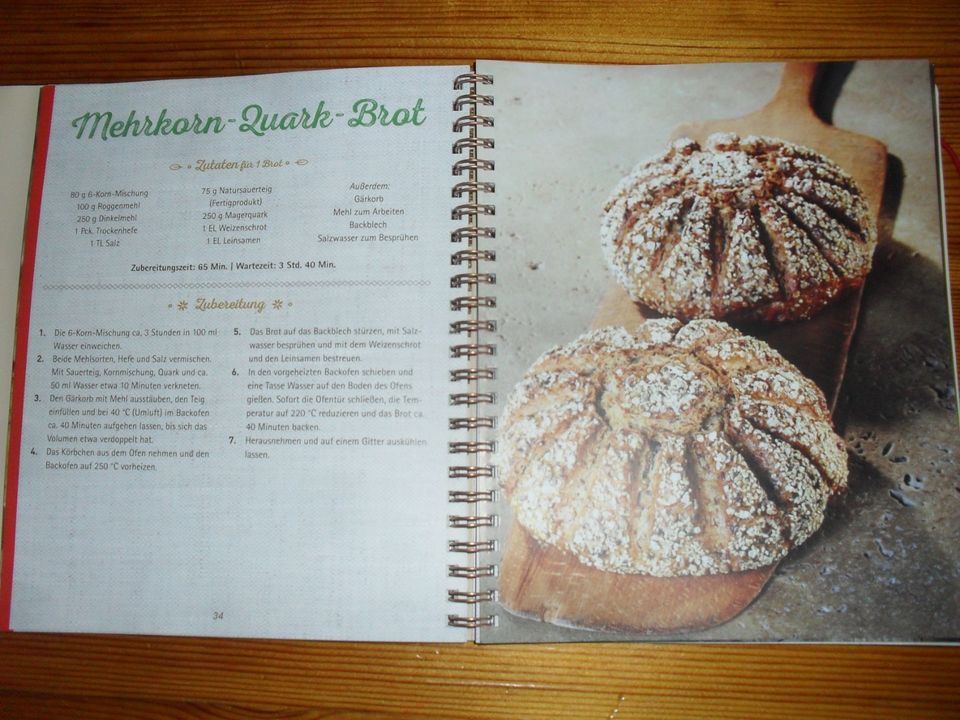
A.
x: 474, y: 279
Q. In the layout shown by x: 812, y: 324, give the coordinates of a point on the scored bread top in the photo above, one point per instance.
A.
x: 748, y: 228
x: 676, y: 450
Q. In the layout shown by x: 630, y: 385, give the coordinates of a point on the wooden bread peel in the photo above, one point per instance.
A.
x: 552, y: 585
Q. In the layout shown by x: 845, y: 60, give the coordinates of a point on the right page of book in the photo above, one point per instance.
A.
x: 724, y: 372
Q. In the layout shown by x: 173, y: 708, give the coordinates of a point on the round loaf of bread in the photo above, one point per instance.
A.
x: 748, y: 228
x: 680, y: 453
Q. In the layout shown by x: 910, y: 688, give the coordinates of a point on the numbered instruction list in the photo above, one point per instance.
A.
x: 236, y: 368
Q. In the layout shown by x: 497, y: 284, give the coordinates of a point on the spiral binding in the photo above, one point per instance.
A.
x: 471, y: 447
x: 472, y: 256
x: 472, y: 572
x: 472, y: 279
x: 469, y: 326
x: 468, y: 395
x: 473, y: 374
x: 472, y: 398
x: 473, y: 496
x: 472, y: 547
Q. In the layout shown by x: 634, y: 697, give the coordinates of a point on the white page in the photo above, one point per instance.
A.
x: 213, y: 443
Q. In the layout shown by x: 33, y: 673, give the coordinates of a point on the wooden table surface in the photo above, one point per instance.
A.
x: 60, y: 676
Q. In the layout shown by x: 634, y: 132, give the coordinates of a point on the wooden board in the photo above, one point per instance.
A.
x: 818, y: 346
x: 545, y: 583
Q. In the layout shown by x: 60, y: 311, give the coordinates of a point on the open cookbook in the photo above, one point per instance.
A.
x: 505, y: 353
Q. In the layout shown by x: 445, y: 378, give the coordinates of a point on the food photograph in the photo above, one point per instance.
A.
x: 728, y: 404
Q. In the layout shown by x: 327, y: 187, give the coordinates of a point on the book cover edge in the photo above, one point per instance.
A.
x: 35, y: 197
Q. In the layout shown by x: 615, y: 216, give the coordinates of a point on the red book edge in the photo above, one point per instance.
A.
x: 32, y: 226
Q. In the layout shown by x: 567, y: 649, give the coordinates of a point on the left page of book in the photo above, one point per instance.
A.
x: 230, y: 396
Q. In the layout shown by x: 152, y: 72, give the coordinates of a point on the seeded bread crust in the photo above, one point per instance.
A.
x: 677, y: 450
x: 748, y: 228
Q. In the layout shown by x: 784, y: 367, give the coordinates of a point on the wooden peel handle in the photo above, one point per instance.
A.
x: 794, y: 95
x: 789, y: 113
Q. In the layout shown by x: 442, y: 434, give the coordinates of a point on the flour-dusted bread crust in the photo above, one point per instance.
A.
x: 748, y: 228
x: 677, y: 451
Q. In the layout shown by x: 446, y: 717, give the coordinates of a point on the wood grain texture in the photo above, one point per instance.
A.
x: 57, y: 676
x: 465, y: 681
